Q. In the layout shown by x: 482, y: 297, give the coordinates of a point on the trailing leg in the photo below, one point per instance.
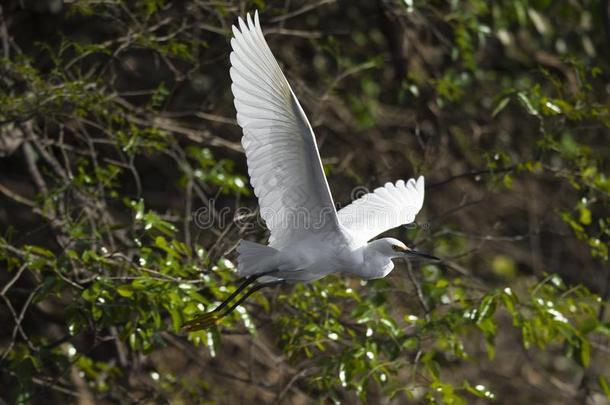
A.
x: 209, y: 318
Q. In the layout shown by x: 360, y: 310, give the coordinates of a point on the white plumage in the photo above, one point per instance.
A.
x: 309, y: 239
x: 283, y: 160
x: 385, y: 208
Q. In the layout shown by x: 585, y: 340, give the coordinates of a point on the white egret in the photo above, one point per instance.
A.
x: 309, y: 238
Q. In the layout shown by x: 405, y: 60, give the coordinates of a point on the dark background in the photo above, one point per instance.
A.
x: 502, y: 106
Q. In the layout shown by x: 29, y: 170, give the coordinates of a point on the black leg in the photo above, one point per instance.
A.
x: 249, y: 293
x: 204, y: 320
x: 249, y: 280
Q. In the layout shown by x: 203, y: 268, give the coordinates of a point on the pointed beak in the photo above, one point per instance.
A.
x: 415, y: 253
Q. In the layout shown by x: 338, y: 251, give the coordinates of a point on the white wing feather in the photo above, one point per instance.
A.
x: 283, y: 159
x: 385, y: 208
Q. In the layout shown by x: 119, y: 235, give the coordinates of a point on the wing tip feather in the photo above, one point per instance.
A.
x: 249, y: 24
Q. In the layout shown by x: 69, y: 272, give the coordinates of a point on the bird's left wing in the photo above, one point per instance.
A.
x: 283, y: 160
x: 385, y: 208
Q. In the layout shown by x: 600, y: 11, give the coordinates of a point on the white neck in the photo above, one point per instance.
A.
x: 376, y: 264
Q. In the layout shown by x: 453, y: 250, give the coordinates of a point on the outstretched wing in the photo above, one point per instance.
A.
x: 385, y: 208
x: 283, y: 159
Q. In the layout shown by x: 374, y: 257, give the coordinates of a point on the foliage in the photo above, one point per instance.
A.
x: 124, y: 186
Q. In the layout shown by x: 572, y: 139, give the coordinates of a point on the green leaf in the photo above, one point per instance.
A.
x: 434, y: 368
x: 474, y: 391
x: 40, y: 251
x: 501, y: 105
x: 176, y: 318
x: 585, y: 352
x: 487, y: 307
x: 603, y: 328
x: 124, y: 290
x: 504, y: 266
x: 527, y: 104
x: 441, y: 283
x: 585, y: 216
x: 604, y: 385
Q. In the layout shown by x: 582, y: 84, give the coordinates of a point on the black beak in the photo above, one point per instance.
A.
x: 415, y: 253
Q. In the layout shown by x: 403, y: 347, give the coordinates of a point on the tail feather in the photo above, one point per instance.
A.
x: 254, y: 258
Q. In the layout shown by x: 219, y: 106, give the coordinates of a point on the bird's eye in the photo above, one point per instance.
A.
x: 397, y: 248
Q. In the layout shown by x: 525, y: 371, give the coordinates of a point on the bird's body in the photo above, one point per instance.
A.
x: 314, y: 258
x: 309, y: 238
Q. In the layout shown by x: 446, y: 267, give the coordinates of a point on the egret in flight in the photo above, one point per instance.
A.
x: 309, y: 238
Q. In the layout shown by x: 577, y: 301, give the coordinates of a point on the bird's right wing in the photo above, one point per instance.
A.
x: 283, y: 160
x: 385, y: 208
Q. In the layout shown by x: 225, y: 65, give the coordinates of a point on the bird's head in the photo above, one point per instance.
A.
x: 394, y: 248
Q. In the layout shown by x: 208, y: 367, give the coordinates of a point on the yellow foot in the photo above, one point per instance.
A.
x: 203, y: 321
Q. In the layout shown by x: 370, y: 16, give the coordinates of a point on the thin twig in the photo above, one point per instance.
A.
x: 417, y: 286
